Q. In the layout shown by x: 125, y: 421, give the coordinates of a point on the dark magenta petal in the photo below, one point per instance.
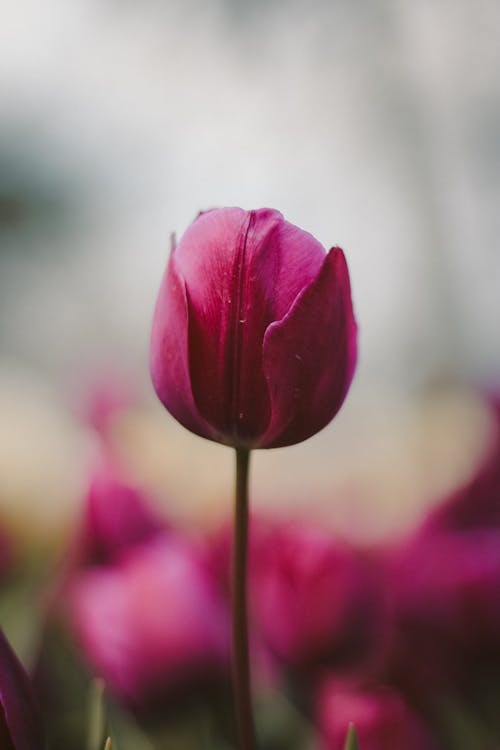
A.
x: 445, y: 600
x: 247, y: 300
x: 117, y: 517
x: 242, y: 271
x: 169, y: 353
x: 310, y: 356
x: 152, y: 623
x: 214, y: 257
x: 20, y: 717
x: 314, y: 601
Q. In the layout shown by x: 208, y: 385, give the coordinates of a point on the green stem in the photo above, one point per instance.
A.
x: 240, y: 658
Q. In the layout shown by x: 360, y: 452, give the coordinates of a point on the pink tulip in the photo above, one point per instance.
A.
x: 446, y: 610
x: 20, y: 723
x: 117, y: 515
x: 254, y: 337
x: 314, y: 600
x: 152, y: 623
x: 382, y: 719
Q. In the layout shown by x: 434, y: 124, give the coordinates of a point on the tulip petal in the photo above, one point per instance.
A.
x: 117, y: 517
x: 20, y: 712
x: 242, y: 271
x: 309, y: 356
x: 169, y: 352
x: 153, y: 622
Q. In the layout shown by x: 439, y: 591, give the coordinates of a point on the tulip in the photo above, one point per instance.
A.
x: 254, y: 337
x: 117, y: 515
x: 381, y: 716
x: 152, y: 623
x: 20, y: 723
x: 314, y: 600
x: 446, y: 610
x: 253, y: 345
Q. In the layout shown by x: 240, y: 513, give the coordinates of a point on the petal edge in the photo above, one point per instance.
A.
x: 310, y: 356
x: 169, y: 363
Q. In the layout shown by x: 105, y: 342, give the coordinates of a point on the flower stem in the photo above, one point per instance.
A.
x: 240, y: 659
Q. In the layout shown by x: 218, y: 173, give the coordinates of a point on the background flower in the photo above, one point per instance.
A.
x: 315, y: 599
x: 151, y: 624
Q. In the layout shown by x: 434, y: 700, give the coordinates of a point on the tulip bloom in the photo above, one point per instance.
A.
x: 20, y: 724
x: 254, y: 337
x: 152, y: 623
x: 117, y: 516
x: 314, y: 600
x: 446, y: 609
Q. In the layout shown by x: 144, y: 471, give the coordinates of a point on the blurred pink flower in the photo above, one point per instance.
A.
x: 446, y: 609
x: 254, y: 337
x: 445, y: 587
x: 152, y: 622
x: 382, y: 719
x: 104, y: 395
x: 314, y: 598
x: 20, y: 723
x: 116, y: 516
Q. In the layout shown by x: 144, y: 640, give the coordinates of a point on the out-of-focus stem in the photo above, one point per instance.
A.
x: 240, y: 657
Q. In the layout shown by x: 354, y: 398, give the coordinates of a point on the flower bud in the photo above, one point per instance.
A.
x: 313, y: 598
x: 117, y: 515
x: 254, y: 337
x: 152, y: 623
x: 20, y: 724
x: 446, y: 609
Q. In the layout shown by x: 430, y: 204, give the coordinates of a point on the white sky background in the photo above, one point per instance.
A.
x: 375, y: 126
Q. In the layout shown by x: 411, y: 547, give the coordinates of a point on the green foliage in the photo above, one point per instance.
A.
x: 97, y: 716
x: 351, y: 742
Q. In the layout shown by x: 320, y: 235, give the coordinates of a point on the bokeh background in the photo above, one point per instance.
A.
x: 373, y: 125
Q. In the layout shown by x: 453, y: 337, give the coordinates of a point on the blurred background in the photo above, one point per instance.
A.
x: 373, y: 125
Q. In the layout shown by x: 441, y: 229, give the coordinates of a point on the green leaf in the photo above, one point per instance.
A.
x: 97, y: 716
x: 351, y: 742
